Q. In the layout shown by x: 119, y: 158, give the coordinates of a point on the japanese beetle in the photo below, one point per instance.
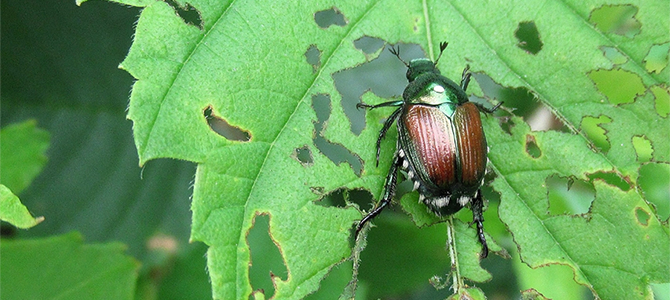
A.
x: 441, y: 143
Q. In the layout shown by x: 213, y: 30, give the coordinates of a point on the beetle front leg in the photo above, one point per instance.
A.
x: 478, y: 218
x: 390, y: 103
x: 389, y: 192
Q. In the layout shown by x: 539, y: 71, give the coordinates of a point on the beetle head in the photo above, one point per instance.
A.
x: 420, y: 66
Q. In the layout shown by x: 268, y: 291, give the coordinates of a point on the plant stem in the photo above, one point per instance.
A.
x: 457, y: 284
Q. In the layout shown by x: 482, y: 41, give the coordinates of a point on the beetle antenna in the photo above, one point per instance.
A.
x: 396, y: 52
x: 443, y: 45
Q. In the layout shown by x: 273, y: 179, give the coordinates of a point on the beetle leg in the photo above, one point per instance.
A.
x: 389, y: 191
x: 390, y: 103
x: 487, y: 110
x: 465, y: 78
x: 478, y: 219
x: 385, y: 128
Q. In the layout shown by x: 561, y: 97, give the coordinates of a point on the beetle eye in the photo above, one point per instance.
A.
x: 409, y: 74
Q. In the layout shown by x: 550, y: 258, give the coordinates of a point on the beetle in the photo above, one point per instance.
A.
x: 441, y: 143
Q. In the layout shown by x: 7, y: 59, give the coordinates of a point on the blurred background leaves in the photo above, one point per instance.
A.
x: 60, y: 68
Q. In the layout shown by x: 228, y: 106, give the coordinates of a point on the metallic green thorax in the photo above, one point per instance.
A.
x: 428, y: 86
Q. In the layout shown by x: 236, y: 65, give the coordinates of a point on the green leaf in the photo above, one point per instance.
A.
x: 246, y: 65
x: 22, y: 156
x: 12, y: 211
x: 62, y: 267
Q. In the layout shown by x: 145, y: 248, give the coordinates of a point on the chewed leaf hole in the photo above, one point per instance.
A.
x: 368, y: 44
x: 529, y: 37
x: 662, y: 99
x: 531, y: 147
x: 304, y: 156
x: 612, y: 179
x: 643, y: 148
x: 592, y: 128
x: 223, y: 128
x: 344, y: 197
x: 267, y: 263
x: 506, y: 124
x: 336, y: 152
x: 614, y: 55
x: 619, y: 86
x: 543, y: 119
x: 617, y: 19
x: 657, y: 58
x: 654, y: 181
x: 334, y: 282
x: 569, y: 195
x: 383, y: 76
x: 518, y: 99
x: 328, y: 17
x: 313, y: 56
x: 189, y: 14
x: 642, y: 216
x: 319, y: 190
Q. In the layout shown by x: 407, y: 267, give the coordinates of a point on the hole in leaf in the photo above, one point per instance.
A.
x: 569, y: 195
x: 342, y: 197
x: 660, y: 290
x: 313, y: 56
x: 529, y: 37
x: 598, y: 135
x: 612, y: 179
x: 619, y: 86
x: 654, y: 181
x: 531, y: 147
x: 643, y: 148
x: 614, y: 55
x: 319, y: 190
x: 223, y: 128
x: 543, y: 119
x: 189, y: 14
x: 337, y: 153
x: 657, y: 58
x: 303, y: 155
x: 662, y: 99
x: 334, y: 283
x: 328, y: 17
x: 266, y: 262
x: 617, y: 19
x: 506, y: 124
x: 642, y: 216
x: 368, y: 44
x: 384, y: 76
x: 520, y: 101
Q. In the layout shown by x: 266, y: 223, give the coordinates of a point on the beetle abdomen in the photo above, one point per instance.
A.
x: 449, y: 154
x: 431, y: 141
x: 471, y: 146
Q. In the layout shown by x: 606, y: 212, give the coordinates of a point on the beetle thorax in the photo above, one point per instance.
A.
x: 434, y: 96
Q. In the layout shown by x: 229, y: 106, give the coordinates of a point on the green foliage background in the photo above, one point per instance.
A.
x: 247, y: 62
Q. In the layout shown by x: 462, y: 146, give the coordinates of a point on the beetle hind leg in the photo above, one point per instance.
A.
x: 478, y: 219
x: 389, y: 192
